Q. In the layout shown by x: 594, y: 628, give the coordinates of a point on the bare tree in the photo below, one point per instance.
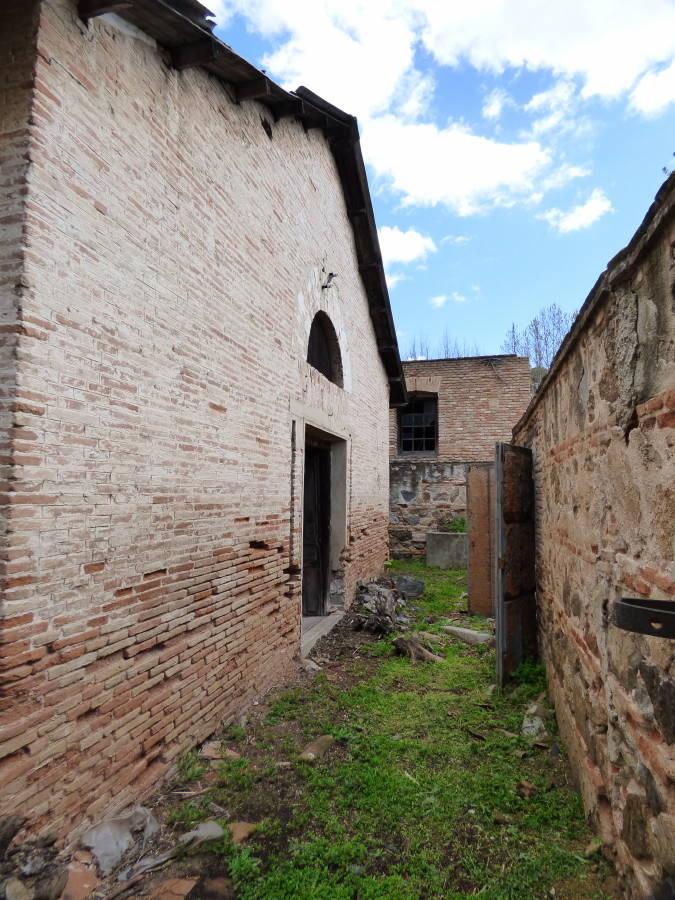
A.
x: 447, y: 348
x: 541, y: 338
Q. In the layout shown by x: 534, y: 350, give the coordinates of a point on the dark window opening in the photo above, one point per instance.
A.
x: 323, y: 349
x: 418, y: 425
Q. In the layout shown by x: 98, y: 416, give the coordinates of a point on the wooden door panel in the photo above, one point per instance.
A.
x: 514, y: 559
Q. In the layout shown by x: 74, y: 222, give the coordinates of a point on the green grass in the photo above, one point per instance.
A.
x: 403, y: 806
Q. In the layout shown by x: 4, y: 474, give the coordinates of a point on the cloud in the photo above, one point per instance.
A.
x: 413, y: 159
x: 440, y: 300
x: 408, y: 246
x: 556, y: 110
x: 358, y: 55
x: 361, y: 54
x: 374, y: 58
x: 581, y: 216
x: 495, y: 103
x: 654, y: 92
x: 456, y: 239
x: 606, y: 44
x: 393, y: 278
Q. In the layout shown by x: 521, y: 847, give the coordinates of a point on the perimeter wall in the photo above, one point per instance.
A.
x: 602, y: 431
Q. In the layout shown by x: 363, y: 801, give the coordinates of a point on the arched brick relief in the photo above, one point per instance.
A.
x: 315, y: 298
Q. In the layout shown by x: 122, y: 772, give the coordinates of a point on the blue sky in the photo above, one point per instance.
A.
x: 512, y: 147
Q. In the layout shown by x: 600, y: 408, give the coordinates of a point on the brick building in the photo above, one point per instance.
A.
x: 602, y: 434
x: 197, y: 360
x: 458, y: 409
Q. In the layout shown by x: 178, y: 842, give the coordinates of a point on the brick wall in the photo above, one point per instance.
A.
x: 479, y: 401
x: 602, y: 432
x: 171, y: 263
x: 17, y: 56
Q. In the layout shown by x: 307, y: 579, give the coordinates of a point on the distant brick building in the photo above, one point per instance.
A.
x: 197, y: 358
x: 458, y: 409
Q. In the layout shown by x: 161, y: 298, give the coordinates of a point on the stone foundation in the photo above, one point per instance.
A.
x: 423, y: 496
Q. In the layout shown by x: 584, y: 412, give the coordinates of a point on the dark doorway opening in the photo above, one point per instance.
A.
x: 316, y: 529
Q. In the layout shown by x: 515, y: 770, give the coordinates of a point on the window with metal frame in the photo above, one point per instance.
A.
x: 418, y: 425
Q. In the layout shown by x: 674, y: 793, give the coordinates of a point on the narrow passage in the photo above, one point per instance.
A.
x: 428, y: 789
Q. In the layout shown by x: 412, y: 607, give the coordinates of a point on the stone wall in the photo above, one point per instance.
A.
x: 602, y: 431
x: 479, y: 401
x: 171, y: 262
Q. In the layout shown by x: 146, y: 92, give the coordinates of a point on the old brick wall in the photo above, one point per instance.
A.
x: 479, y: 401
x: 17, y: 57
x: 173, y: 256
x: 602, y: 431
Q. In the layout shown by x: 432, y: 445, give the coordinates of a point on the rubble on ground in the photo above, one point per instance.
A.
x: 380, y: 606
x: 411, y: 588
x: 109, y: 840
x: 215, y: 752
x: 32, y: 869
x: 317, y: 748
x: 409, y: 646
x: 468, y: 635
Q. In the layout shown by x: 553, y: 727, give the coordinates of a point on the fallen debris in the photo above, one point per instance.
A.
x: 500, y: 818
x: 9, y: 827
x: 410, y: 587
x: 15, y: 889
x: 468, y: 635
x: 81, y: 883
x: 534, y: 726
x: 174, y: 889
x: 215, y: 889
x: 429, y: 638
x: 34, y: 869
x: 146, y: 864
x: 214, y: 751
x: 317, y: 748
x: 205, y: 831
x: 110, y: 840
x: 241, y: 831
x: 311, y: 667
x: 378, y: 608
x: 526, y: 789
x: 411, y: 647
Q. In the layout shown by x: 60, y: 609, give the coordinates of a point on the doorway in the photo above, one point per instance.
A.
x: 316, y: 528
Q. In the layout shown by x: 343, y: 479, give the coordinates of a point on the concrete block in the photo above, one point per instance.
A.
x: 447, y: 550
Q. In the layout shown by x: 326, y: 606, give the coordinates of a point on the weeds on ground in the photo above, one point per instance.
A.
x: 419, y: 795
x: 190, y: 767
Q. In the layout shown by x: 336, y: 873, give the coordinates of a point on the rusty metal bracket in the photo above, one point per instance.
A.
x: 653, y: 617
